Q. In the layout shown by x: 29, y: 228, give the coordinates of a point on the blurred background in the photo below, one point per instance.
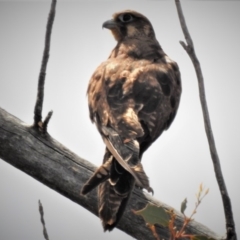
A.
x: 176, y: 163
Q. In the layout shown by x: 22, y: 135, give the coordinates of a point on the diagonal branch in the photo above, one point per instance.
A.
x: 42, y: 74
x: 49, y: 162
x: 230, y: 226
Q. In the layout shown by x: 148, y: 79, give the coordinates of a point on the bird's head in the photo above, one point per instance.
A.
x: 129, y: 24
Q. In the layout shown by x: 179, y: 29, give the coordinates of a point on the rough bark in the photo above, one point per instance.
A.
x: 48, y: 161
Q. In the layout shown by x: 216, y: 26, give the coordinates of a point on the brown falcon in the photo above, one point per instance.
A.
x: 133, y: 97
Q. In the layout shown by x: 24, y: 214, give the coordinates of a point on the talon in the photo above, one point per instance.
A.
x: 150, y: 190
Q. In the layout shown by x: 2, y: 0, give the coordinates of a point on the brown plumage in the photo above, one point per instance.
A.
x: 133, y: 97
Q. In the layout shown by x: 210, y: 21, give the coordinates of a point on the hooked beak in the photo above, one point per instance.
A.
x: 110, y: 24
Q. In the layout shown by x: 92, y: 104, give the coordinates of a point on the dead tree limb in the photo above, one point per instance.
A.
x: 49, y: 162
x: 189, y: 47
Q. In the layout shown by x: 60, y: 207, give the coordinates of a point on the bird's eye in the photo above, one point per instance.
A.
x: 126, y: 18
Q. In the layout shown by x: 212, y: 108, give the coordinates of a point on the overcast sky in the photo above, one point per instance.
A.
x: 176, y: 163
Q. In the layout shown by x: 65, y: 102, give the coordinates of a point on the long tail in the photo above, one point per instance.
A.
x: 113, y: 196
x: 115, y: 185
x: 116, y: 178
x: 100, y: 175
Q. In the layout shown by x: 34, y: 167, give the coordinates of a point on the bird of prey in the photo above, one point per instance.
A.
x: 133, y: 97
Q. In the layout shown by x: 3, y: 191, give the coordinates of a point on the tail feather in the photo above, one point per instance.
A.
x: 113, y: 200
x: 127, y: 155
x: 116, y: 177
x: 109, y: 204
x: 100, y: 175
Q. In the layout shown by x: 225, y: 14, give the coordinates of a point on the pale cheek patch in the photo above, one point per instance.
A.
x: 131, y: 31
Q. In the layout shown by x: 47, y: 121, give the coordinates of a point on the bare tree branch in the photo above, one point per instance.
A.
x: 40, y: 207
x: 41, y: 78
x: 230, y: 226
x: 49, y: 162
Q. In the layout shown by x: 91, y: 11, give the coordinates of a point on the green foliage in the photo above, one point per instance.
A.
x: 183, y: 206
x: 154, y: 215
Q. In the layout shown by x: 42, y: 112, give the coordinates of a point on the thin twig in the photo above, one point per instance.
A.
x: 230, y: 225
x: 41, y: 78
x: 153, y: 229
x: 45, y: 122
x: 45, y: 234
x: 187, y: 220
